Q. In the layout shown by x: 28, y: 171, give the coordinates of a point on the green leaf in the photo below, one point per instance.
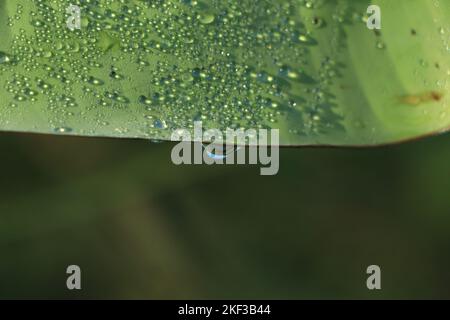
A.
x: 142, y: 68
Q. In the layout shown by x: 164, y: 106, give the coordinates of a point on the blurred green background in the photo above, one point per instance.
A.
x: 143, y: 228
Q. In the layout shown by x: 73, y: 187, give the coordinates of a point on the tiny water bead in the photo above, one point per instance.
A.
x: 62, y: 130
x: 146, y: 101
x: 4, y: 58
x: 380, y: 45
x: 220, y: 152
x: 206, y: 18
x: 160, y: 124
x: 95, y: 81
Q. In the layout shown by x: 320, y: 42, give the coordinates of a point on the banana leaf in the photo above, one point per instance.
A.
x: 144, y: 68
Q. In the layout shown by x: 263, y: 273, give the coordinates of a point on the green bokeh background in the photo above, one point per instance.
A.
x: 143, y: 228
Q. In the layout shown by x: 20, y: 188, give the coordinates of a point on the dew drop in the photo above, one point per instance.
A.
x: 4, y: 58
x: 206, y: 18
x: 62, y: 130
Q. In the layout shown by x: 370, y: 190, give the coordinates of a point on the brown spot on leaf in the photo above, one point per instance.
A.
x: 415, y: 100
x: 436, y: 96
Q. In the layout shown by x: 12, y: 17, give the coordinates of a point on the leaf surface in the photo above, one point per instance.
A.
x: 143, y: 69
